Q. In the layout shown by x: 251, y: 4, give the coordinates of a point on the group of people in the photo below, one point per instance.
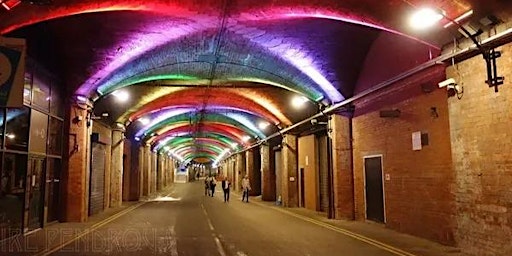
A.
x: 210, y: 183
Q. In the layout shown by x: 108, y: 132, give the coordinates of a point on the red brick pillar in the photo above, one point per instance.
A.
x: 127, y: 171
x: 268, y: 179
x: 240, y: 171
x: 160, y: 182
x: 75, y: 183
x: 250, y: 170
x: 172, y: 170
x: 133, y: 152
x: 343, y: 176
x: 154, y: 175
x: 290, y: 197
x: 116, y: 168
x: 144, y: 168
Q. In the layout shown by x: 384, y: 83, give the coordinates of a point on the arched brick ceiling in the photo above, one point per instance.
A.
x: 176, y: 58
x: 219, y: 99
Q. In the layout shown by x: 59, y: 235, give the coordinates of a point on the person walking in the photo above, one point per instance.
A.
x: 226, y: 185
x: 207, y: 186
x: 246, y: 187
x: 213, y: 183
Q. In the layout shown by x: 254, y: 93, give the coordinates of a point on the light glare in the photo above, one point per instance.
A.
x: 299, y: 101
x: 121, y: 96
x: 144, y: 120
x: 263, y: 125
x: 425, y: 18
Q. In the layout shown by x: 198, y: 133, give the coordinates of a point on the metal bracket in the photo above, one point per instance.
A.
x: 493, y: 80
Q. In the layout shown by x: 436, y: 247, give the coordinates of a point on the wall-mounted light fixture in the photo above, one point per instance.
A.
x: 9, y: 4
x: 427, y: 17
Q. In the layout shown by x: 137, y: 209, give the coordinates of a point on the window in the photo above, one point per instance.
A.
x: 12, y: 193
x: 27, y: 89
x: 17, y: 128
x: 41, y: 94
x: 2, y: 115
x: 38, y: 132
x: 56, y: 107
x: 55, y: 137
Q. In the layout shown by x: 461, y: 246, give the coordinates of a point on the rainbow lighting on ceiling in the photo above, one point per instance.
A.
x: 161, y: 53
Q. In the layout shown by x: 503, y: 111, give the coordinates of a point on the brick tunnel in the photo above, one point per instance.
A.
x: 370, y: 128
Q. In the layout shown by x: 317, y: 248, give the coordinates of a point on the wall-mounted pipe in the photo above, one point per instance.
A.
x: 493, y: 41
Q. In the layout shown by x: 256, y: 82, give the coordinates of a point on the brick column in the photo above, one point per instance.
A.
x: 144, y: 167
x: 249, y: 170
x: 172, y: 169
x: 127, y: 170
x: 116, y: 168
x: 289, y: 180
x: 240, y: 171
x: 343, y: 176
x: 75, y: 178
x: 268, y: 179
x: 160, y: 181
x: 135, y: 171
x: 154, y: 175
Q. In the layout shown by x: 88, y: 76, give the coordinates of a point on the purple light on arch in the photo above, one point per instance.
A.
x: 294, y: 12
x: 291, y: 53
x: 157, y: 34
x: 159, y: 117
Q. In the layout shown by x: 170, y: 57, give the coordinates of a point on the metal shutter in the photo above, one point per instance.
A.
x: 97, y: 184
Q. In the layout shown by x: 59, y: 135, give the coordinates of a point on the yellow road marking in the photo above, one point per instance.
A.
x: 92, y: 228
x: 359, y: 237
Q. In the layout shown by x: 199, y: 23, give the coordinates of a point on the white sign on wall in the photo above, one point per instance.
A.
x: 416, y: 141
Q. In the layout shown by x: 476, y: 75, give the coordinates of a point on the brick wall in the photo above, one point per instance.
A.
x: 289, y: 189
x: 419, y: 196
x: 482, y: 157
x: 268, y: 173
x: 343, y: 181
x: 74, y: 188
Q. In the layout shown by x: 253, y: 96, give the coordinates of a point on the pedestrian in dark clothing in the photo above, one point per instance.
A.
x: 226, y: 185
x: 213, y: 183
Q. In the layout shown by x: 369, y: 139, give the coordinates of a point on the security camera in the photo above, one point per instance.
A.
x: 447, y: 82
x: 315, y: 122
x: 452, y: 86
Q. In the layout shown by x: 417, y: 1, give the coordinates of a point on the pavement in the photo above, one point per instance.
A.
x: 181, y: 220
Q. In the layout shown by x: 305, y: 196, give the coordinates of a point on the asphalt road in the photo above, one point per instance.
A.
x: 186, y: 222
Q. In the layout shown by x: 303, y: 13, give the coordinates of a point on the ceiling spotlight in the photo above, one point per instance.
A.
x: 425, y: 18
x: 121, y: 96
x: 299, y: 101
x: 263, y: 125
x: 78, y: 97
x: 144, y: 120
x: 246, y: 138
x: 234, y: 145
